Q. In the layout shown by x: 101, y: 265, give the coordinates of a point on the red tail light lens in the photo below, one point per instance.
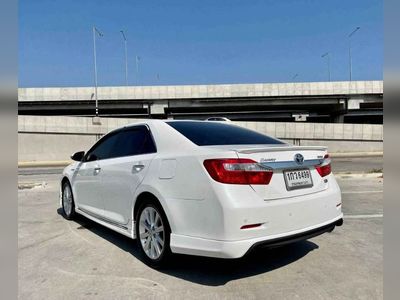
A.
x: 237, y: 171
x: 325, y: 168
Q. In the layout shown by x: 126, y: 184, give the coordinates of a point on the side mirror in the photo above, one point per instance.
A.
x: 78, y: 156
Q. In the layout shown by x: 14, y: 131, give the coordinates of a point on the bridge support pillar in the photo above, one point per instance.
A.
x: 338, y: 118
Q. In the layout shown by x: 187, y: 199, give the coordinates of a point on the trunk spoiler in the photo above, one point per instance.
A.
x: 280, y: 148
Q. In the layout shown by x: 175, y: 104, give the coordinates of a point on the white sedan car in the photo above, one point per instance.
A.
x: 202, y: 188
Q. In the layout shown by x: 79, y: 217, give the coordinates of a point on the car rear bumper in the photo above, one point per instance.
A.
x: 297, y: 237
x: 235, y: 249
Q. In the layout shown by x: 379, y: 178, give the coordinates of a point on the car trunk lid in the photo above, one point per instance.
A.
x: 287, y: 163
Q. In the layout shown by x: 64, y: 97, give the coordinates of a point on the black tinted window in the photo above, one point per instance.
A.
x: 103, y: 149
x: 133, y: 142
x: 212, y: 133
x: 127, y: 142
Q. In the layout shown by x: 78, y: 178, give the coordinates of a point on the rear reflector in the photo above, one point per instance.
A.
x: 251, y: 226
x: 237, y: 171
x: 325, y: 168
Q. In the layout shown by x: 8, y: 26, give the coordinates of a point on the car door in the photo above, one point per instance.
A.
x: 87, y: 182
x: 122, y: 174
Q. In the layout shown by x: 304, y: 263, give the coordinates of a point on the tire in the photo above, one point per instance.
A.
x: 68, y: 204
x: 153, y: 234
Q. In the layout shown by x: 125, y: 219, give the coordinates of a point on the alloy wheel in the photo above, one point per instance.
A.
x: 151, y: 232
x: 67, y: 200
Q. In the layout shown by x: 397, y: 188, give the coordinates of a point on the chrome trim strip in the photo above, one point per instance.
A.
x: 104, y: 219
x: 280, y: 165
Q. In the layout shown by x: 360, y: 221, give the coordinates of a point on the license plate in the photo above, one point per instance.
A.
x: 297, y: 179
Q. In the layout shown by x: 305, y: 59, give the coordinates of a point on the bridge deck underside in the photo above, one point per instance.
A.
x: 318, y: 109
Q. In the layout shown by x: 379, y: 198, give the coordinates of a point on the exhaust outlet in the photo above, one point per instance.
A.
x: 339, y: 222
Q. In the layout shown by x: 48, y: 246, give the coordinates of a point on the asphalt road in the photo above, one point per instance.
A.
x: 357, y: 164
x: 80, y: 259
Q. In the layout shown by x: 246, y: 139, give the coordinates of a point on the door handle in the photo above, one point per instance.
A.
x: 137, y: 168
x: 97, y: 170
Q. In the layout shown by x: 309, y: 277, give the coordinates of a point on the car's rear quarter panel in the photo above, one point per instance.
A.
x: 186, y: 193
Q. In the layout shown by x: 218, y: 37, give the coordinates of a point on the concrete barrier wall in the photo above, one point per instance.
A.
x: 203, y: 91
x: 318, y: 131
x: 51, y: 147
x: 51, y: 138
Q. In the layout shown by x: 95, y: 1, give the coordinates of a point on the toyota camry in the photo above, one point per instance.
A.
x: 202, y: 188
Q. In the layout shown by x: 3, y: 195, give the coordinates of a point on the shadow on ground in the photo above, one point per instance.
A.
x: 204, y: 270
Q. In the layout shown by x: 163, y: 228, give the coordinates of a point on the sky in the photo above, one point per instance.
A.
x: 198, y: 42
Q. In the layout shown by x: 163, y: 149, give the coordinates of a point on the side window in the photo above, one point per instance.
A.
x: 103, y: 149
x: 128, y: 142
x: 133, y: 141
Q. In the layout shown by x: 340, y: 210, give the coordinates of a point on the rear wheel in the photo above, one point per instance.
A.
x: 68, y: 204
x: 153, y: 234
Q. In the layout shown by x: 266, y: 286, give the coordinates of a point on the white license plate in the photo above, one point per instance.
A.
x: 297, y: 179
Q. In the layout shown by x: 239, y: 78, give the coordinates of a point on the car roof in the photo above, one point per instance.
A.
x: 155, y: 121
x: 152, y: 121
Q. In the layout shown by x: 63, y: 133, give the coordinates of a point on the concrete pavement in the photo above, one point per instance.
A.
x: 80, y: 259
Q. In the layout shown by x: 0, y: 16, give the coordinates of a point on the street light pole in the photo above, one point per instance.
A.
x: 350, y: 58
x: 126, y: 57
x: 328, y: 56
x: 137, y: 68
x: 95, y: 30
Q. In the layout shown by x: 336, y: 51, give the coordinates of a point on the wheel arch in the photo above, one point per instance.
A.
x: 142, y: 197
x: 62, y: 182
x: 145, y: 195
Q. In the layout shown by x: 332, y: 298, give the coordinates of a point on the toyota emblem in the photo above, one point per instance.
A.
x: 298, y: 158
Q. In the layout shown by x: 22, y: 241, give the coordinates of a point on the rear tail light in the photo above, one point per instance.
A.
x: 325, y: 168
x: 237, y: 171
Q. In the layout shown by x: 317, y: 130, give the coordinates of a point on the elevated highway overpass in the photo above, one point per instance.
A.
x: 342, y: 101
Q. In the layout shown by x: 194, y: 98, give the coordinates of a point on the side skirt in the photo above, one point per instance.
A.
x: 122, y: 229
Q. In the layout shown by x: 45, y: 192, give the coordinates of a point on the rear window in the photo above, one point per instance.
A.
x: 212, y: 133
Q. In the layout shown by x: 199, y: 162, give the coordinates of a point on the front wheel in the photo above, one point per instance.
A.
x: 153, y: 234
x: 68, y: 204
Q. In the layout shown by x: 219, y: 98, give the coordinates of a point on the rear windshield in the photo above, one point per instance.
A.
x: 213, y: 133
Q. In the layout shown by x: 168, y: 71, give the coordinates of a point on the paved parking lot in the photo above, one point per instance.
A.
x: 80, y: 259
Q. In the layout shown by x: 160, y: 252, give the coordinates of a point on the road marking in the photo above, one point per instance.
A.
x: 363, y: 216
x: 362, y: 192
